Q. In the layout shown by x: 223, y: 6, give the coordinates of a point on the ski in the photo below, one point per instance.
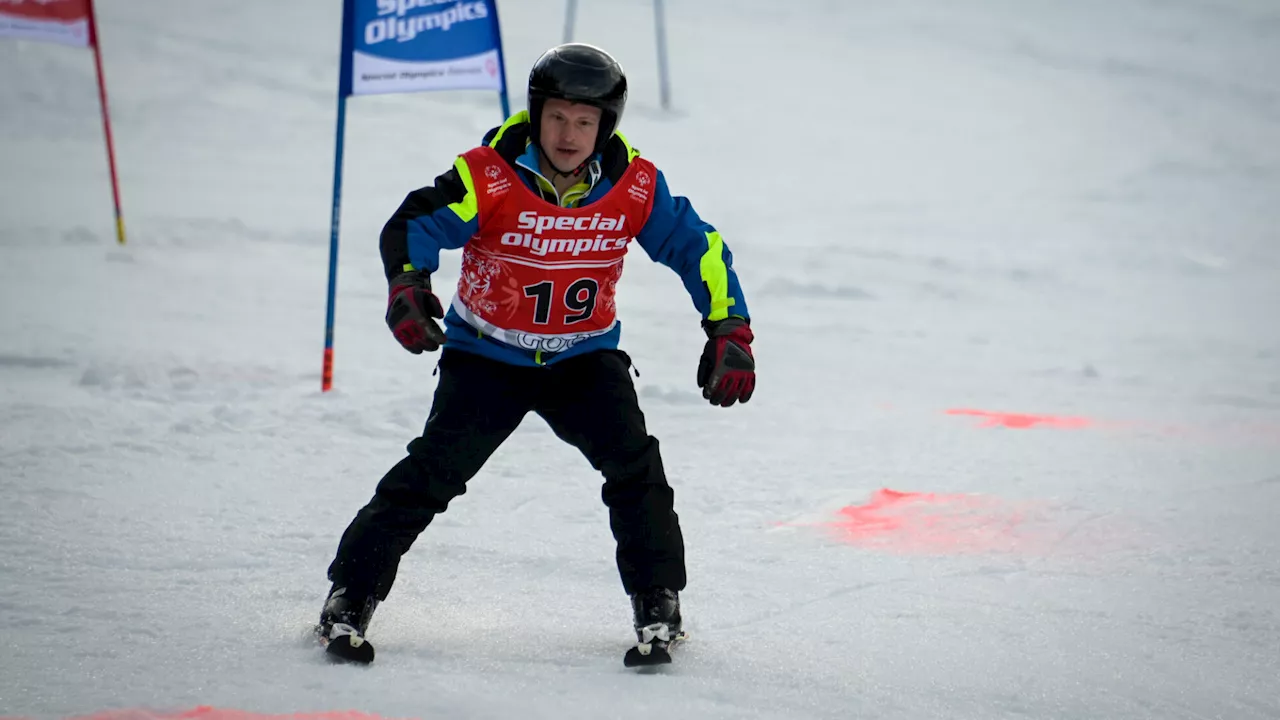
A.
x: 655, y: 652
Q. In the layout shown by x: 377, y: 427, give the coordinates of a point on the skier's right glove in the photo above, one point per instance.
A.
x: 410, y: 309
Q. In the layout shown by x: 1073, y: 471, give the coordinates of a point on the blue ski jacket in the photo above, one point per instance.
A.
x: 431, y: 219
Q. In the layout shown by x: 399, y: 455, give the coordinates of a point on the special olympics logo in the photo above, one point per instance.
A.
x: 643, y: 179
x: 492, y: 172
x: 491, y: 67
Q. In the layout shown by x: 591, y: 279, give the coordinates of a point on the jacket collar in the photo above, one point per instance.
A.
x: 528, y: 161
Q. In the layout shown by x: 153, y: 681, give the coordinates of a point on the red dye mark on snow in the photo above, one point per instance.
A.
x: 915, y: 522
x: 205, y: 712
x: 1021, y: 421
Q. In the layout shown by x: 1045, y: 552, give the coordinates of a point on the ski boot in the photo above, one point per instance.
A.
x: 658, y: 627
x: 343, y: 622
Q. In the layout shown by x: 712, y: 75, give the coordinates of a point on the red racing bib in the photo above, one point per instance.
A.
x: 542, y: 277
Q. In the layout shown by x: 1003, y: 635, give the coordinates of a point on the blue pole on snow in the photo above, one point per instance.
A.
x: 344, y: 89
x: 326, y: 376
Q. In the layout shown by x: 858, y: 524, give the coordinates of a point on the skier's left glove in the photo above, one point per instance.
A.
x: 410, y: 308
x: 727, y: 369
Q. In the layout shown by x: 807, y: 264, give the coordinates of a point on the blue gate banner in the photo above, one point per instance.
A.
x: 395, y: 46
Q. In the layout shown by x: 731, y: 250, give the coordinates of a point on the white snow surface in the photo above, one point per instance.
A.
x: 1026, y: 206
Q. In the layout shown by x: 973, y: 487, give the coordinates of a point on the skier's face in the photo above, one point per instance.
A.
x: 568, y: 133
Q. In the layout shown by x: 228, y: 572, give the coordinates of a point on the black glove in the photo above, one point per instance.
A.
x: 727, y: 370
x: 410, y: 308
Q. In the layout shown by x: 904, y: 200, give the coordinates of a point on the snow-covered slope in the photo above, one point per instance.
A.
x: 1059, y: 209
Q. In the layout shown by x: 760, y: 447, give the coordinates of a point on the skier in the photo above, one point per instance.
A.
x: 543, y: 211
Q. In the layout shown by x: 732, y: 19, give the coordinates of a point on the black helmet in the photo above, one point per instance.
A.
x: 578, y: 73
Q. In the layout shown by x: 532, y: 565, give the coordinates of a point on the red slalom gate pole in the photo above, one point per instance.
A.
x: 106, y: 122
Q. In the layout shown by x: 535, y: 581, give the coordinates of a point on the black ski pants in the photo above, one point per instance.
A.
x: 588, y: 400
